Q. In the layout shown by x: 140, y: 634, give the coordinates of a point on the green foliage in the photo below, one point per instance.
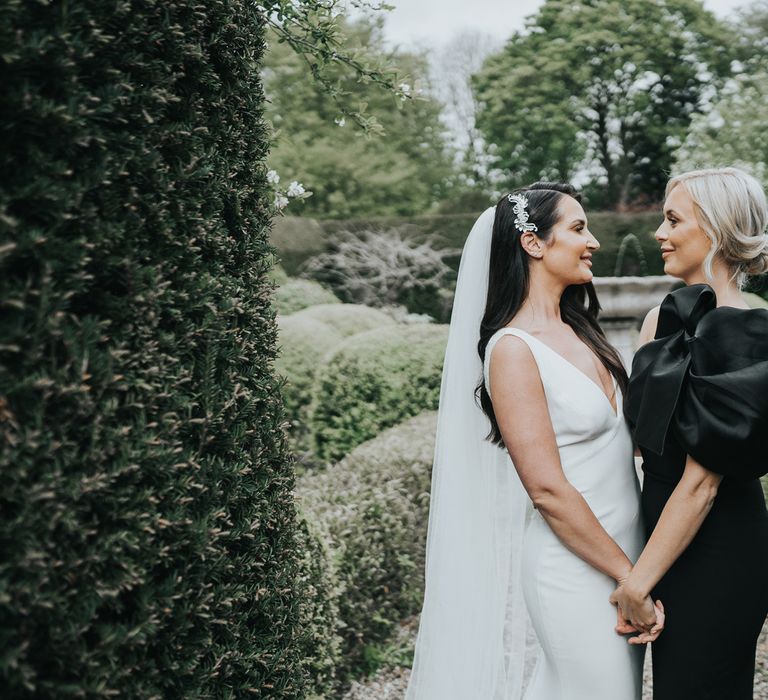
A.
x: 721, y: 138
x: 297, y: 238
x: 372, y: 381
x: 374, y: 507
x: 306, y: 337
x: 147, y: 521
x: 316, y: 33
x: 297, y: 294
x: 319, y: 611
x: 403, y: 172
x: 613, y: 80
x: 303, y: 344
x: 386, y: 269
x: 278, y: 275
x: 450, y: 231
x: 346, y: 319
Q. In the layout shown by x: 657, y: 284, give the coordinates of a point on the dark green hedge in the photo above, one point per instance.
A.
x: 297, y: 239
x: 147, y: 524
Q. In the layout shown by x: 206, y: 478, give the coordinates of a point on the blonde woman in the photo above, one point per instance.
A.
x: 697, y: 404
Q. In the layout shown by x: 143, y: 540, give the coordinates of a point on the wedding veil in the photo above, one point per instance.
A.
x: 471, y: 643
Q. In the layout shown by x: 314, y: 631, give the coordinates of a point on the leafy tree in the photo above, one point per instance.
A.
x: 734, y: 129
x: 401, y: 167
x: 315, y: 30
x: 602, y: 86
x: 733, y: 132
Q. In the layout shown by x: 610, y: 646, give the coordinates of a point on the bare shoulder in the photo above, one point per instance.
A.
x: 648, y: 329
x: 513, y: 360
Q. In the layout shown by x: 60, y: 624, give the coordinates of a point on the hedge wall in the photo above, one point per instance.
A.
x: 298, y: 239
x: 147, y: 523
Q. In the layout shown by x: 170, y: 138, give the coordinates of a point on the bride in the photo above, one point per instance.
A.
x: 534, y: 515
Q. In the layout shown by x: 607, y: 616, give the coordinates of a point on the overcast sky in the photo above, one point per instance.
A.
x: 433, y: 22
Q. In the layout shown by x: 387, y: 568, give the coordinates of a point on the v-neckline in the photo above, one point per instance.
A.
x: 597, y: 386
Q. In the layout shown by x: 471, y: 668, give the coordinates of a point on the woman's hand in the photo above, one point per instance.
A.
x: 636, y: 610
x: 653, y: 635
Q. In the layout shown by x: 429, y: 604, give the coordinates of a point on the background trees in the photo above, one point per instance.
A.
x: 604, y: 87
x: 401, y: 166
x: 734, y: 130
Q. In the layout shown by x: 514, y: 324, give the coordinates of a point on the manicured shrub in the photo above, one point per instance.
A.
x: 296, y: 294
x: 372, y: 381
x: 147, y: 522
x: 321, y: 592
x: 303, y: 342
x: 373, y: 507
x: 347, y: 319
x: 386, y: 268
x: 278, y: 275
x: 296, y: 239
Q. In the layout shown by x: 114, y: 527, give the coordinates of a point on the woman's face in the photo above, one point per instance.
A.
x: 684, y: 245
x: 568, y: 254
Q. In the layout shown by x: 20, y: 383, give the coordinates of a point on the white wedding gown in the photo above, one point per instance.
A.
x: 581, y: 656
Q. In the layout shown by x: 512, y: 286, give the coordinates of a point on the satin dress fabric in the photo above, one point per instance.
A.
x: 700, y: 388
x: 581, y: 656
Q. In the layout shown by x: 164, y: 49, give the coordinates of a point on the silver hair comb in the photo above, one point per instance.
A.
x: 520, y: 202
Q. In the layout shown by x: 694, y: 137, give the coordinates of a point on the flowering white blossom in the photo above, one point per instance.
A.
x: 281, y: 201
x: 405, y: 88
x: 341, y: 121
x: 272, y: 177
x: 295, y: 189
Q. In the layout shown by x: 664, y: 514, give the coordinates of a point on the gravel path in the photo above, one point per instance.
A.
x: 390, y: 683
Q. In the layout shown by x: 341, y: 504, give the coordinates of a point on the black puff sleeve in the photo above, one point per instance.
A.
x: 704, y: 380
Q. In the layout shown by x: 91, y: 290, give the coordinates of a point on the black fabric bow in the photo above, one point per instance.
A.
x: 704, y: 379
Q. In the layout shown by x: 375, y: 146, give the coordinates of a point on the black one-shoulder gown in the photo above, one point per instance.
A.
x: 701, y: 388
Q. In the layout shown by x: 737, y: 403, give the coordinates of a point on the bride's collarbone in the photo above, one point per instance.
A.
x: 576, y: 352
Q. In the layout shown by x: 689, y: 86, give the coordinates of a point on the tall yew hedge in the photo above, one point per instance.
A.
x: 147, y: 527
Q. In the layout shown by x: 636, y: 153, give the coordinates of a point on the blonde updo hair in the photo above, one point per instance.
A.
x: 731, y: 209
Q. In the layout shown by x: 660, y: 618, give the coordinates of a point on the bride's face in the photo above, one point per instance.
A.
x: 568, y: 254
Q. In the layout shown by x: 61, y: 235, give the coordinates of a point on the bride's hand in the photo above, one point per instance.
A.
x: 622, y: 626
x: 653, y: 635
x: 637, y: 609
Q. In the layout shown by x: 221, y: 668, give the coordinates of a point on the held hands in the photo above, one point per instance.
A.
x: 636, y: 612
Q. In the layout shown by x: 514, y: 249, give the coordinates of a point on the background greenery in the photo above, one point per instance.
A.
x: 352, y: 173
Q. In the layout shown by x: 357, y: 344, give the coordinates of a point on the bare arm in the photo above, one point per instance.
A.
x: 521, y: 410
x: 678, y: 524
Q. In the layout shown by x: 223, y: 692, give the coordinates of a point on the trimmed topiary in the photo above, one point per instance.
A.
x: 374, y: 380
x: 147, y: 523
x: 303, y: 342
x: 278, y: 276
x: 374, y: 507
x: 319, y: 610
x: 297, y: 294
x: 347, y: 319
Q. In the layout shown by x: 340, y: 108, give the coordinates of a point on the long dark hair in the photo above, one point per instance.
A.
x: 509, y: 279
